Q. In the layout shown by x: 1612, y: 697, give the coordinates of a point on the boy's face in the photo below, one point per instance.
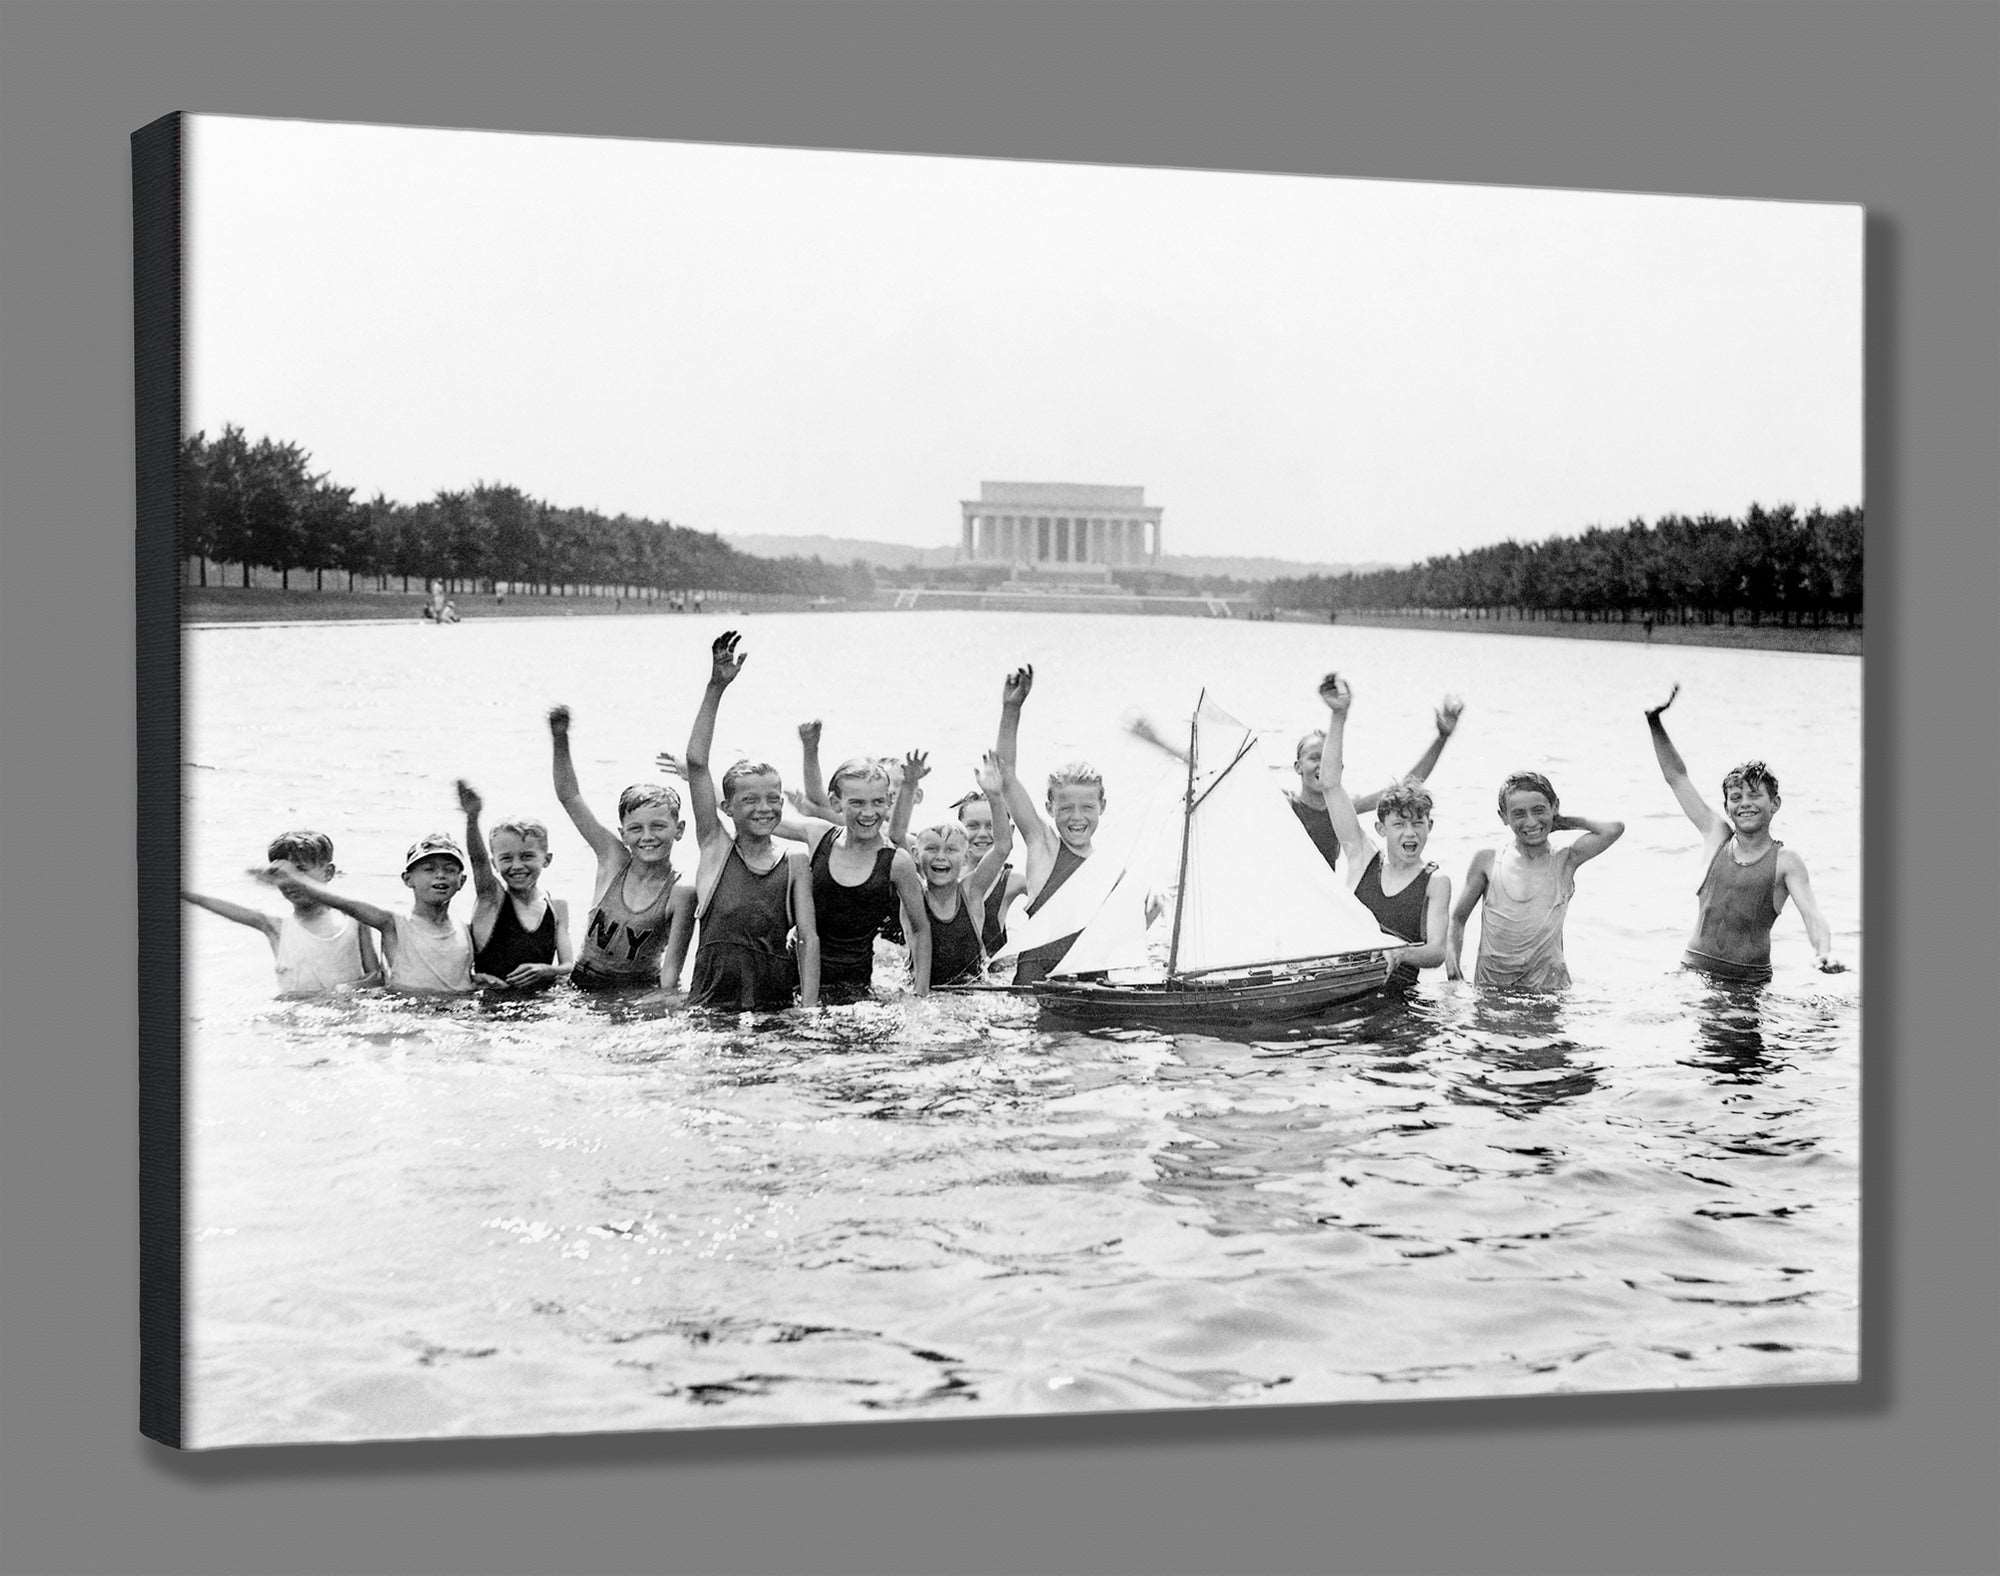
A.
x: 1750, y: 804
x: 1076, y: 808
x: 322, y: 873
x: 756, y: 804
x: 650, y: 831
x: 1407, y: 835
x: 864, y: 804
x: 519, y: 860
x: 1307, y: 764
x: 1529, y: 816
x: 976, y: 816
x: 941, y: 858
x: 436, y: 878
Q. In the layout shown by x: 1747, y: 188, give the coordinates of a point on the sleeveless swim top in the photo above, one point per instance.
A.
x: 1038, y: 962
x: 956, y: 954
x: 848, y: 918
x: 309, y: 964
x: 1738, y: 907
x: 511, y: 944
x: 1319, y: 827
x: 741, y: 963
x: 1400, y: 913
x: 428, y: 961
x: 621, y: 946
x: 1521, y: 924
x: 992, y: 933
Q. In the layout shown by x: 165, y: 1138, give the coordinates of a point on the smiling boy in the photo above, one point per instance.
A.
x: 520, y: 935
x: 1748, y: 873
x: 1525, y: 887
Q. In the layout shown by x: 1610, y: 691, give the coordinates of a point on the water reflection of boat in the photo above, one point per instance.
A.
x: 1262, y: 929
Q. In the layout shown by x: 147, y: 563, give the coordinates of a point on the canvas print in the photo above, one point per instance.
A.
x: 816, y: 787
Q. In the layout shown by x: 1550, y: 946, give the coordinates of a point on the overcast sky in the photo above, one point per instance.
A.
x: 754, y: 340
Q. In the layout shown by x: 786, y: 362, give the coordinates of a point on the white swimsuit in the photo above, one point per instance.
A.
x: 427, y: 961
x: 309, y: 963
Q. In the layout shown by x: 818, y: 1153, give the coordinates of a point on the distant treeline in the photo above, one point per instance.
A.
x: 1773, y: 565
x: 262, y: 504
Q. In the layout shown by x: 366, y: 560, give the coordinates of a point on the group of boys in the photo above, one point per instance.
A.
x: 781, y: 925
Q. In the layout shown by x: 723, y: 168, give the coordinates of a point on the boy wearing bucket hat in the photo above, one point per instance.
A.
x: 427, y: 952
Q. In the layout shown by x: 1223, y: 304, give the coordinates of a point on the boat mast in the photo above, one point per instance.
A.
x: 1187, y: 827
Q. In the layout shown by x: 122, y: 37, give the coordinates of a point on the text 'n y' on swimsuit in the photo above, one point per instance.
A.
x: 621, y: 945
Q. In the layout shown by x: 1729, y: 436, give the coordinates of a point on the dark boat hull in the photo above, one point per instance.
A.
x: 1236, y: 996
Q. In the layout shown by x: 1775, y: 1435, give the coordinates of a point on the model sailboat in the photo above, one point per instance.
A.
x: 1261, y: 930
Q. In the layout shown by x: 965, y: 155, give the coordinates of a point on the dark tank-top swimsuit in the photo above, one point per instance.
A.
x: 511, y: 943
x: 956, y: 955
x: 741, y: 963
x: 1400, y: 913
x: 848, y: 918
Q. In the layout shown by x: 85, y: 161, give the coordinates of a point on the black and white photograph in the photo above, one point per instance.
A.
x: 824, y: 787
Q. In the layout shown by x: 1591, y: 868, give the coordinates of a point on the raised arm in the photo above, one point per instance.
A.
x: 282, y: 874
x: 811, y: 780
x: 486, y: 888
x: 1475, y: 888
x: 1597, y: 836
x: 725, y: 662
x: 1014, y: 691
x: 916, y: 920
x: 603, y: 841
x: 994, y: 860
x: 1354, y: 842
x: 1446, y: 717
x: 1706, y: 821
x: 1794, y: 881
x: 235, y: 913
x: 916, y: 767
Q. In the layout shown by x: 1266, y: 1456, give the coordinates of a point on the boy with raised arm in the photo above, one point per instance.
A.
x: 749, y: 892
x: 1408, y: 897
x: 1054, y: 847
x: 1525, y: 887
x: 315, y: 949
x: 641, y: 912
x: 520, y: 935
x: 1748, y: 874
x: 1309, y: 803
x: 428, y: 953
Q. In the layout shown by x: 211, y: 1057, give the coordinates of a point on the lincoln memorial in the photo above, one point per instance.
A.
x: 1070, y: 530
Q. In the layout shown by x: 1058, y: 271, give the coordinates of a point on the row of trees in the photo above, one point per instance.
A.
x: 1773, y: 565
x: 262, y: 504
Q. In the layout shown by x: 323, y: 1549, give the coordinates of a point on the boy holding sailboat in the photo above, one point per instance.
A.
x: 1408, y: 896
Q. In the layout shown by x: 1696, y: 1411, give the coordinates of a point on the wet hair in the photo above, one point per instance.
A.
x: 863, y: 767
x: 1750, y: 774
x: 648, y: 793
x: 1077, y: 774
x: 1317, y: 736
x: 944, y: 830
x: 1410, y: 799
x: 971, y: 796
x: 527, y: 831
x: 1521, y: 782
x: 743, y: 769
x: 301, y: 848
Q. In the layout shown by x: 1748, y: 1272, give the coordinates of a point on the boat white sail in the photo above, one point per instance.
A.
x: 1101, y: 900
x: 1255, y: 890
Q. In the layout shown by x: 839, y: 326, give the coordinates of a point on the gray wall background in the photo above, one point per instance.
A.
x: 1886, y: 104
